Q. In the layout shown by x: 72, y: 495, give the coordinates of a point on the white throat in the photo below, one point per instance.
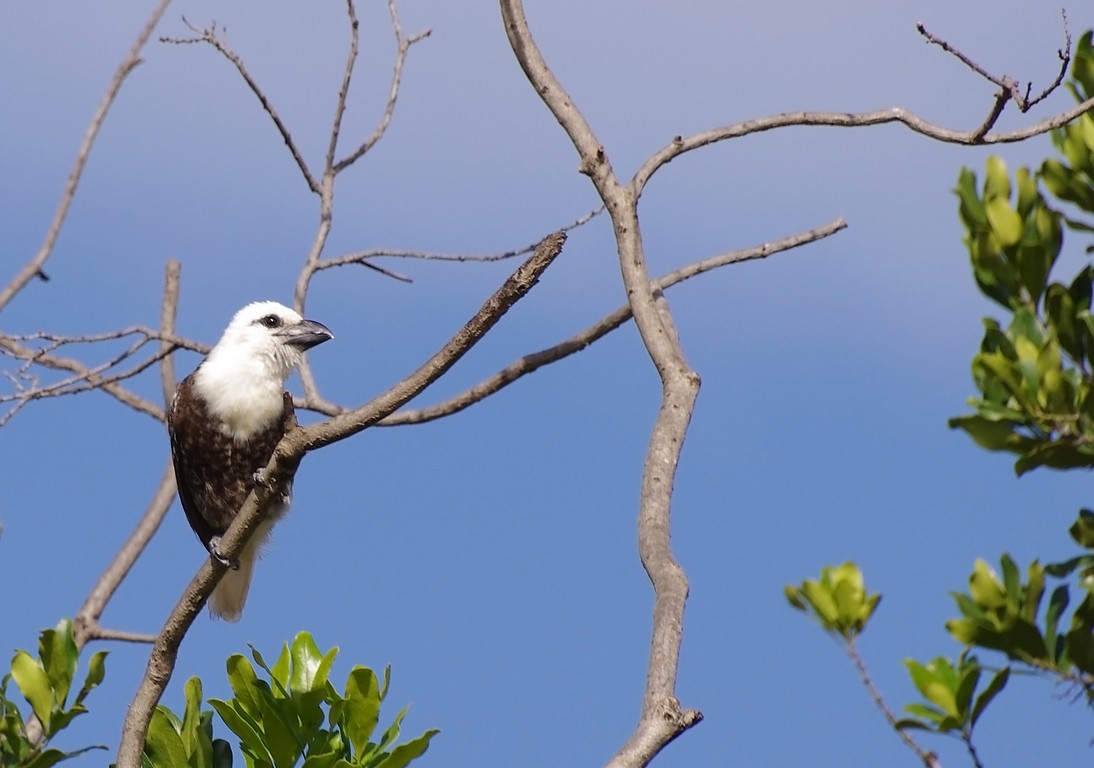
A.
x: 243, y: 391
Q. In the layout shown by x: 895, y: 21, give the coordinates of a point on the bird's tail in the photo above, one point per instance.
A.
x: 230, y: 594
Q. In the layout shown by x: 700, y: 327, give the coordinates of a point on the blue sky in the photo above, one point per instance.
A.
x: 490, y: 557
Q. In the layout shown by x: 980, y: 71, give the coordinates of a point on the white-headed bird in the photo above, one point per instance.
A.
x: 225, y: 420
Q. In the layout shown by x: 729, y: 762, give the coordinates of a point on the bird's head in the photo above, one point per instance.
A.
x: 268, y: 336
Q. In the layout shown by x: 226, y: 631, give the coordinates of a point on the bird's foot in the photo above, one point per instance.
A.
x: 261, y: 478
x: 214, y: 550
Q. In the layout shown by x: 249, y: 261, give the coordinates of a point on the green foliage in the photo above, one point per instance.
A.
x: 173, y: 743
x: 950, y: 693
x: 1001, y: 613
x: 291, y: 716
x: 838, y: 601
x: 1035, y: 375
x: 45, y: 682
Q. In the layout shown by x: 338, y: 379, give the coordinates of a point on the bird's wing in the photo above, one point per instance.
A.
x: 215, y: 473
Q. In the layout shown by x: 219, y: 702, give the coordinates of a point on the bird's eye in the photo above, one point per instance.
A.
x: 271, y: 321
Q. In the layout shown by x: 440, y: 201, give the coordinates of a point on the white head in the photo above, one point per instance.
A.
x: 244, y: 375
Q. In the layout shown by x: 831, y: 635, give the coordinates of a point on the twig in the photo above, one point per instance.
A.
x: 87, y: 618
x: 929, y: 759
x: 297, y: 442
x: 108, y: 385
x: 168, y: 315
x: 662, y: 718
x: 679, y: 145
x: 209, y: 36
x: 1009, y: 87
x: 332, y: 169
x: 576, y: 343
x: 361, y: 257
x: 33, y: 268
x: 403, y: 45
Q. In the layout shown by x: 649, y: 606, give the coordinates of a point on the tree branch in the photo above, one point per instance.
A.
x: 168, y: 315
x: 680, y: 145
x: 662, y: 718
x: 209, y: 36
x: 576, y: 343
x: 33, y: 268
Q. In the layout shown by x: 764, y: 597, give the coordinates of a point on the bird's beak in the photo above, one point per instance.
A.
x: 305, y: 334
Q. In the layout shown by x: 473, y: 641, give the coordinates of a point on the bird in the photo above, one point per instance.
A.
x: 224, y: 422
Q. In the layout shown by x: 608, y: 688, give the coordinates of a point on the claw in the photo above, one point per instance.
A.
x: 214, y: 550
x: 260, y: 477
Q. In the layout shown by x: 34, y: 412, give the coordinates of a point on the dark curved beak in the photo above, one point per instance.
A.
x: 305, y: 334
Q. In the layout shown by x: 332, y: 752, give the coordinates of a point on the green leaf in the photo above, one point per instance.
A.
x: 96, y: 671
x: 244, y: 684
x: 163, y: 746
x: 997, y: 684
x: 57, y: 650
x: 996, y: 180
x: 248, y: 731
x: 1057, y: 455
x: 403, y: 754
x: 306, y: 660
x: 361, y: 708
x: 34, y: 685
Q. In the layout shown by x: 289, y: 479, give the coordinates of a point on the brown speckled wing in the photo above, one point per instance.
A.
x: 214, y: 473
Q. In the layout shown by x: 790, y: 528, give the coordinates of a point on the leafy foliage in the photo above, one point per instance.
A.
x: 838, y: 602
x: 45, y: 682
x: 1035, y: 376
x: 949, y: 690
x: 292, y: 716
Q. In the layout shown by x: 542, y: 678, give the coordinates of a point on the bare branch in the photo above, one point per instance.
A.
x: 361, y: 257
x: 576, y: 343
x: 33, y: 268
x: 87, y: 618
x: 209, y: 36
x: 343, y: 92
x: 662, y: 718
x: 89, y: 376
x: 929, y: 759
x: 121, y: 636
x: 168, y: 315
x: 680, y: 145
x: 403, y: 45
x: 1007, y: 85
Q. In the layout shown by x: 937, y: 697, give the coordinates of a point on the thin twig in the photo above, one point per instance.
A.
x: 108, y: 385
x: 679, y: 145
x: 33, y: 268
x: 929, y: 759
x: 1008, y: 85
x: 168, y: 314
x: 360, y: 257
x: 402, y: 48
x: 343, y: 92
x: 209, y: 36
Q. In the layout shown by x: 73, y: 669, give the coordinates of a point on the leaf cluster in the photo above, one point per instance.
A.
x: 45, y: 682
x: 1035, y: 374
x: 290, y: 716
x: 838, y: 601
